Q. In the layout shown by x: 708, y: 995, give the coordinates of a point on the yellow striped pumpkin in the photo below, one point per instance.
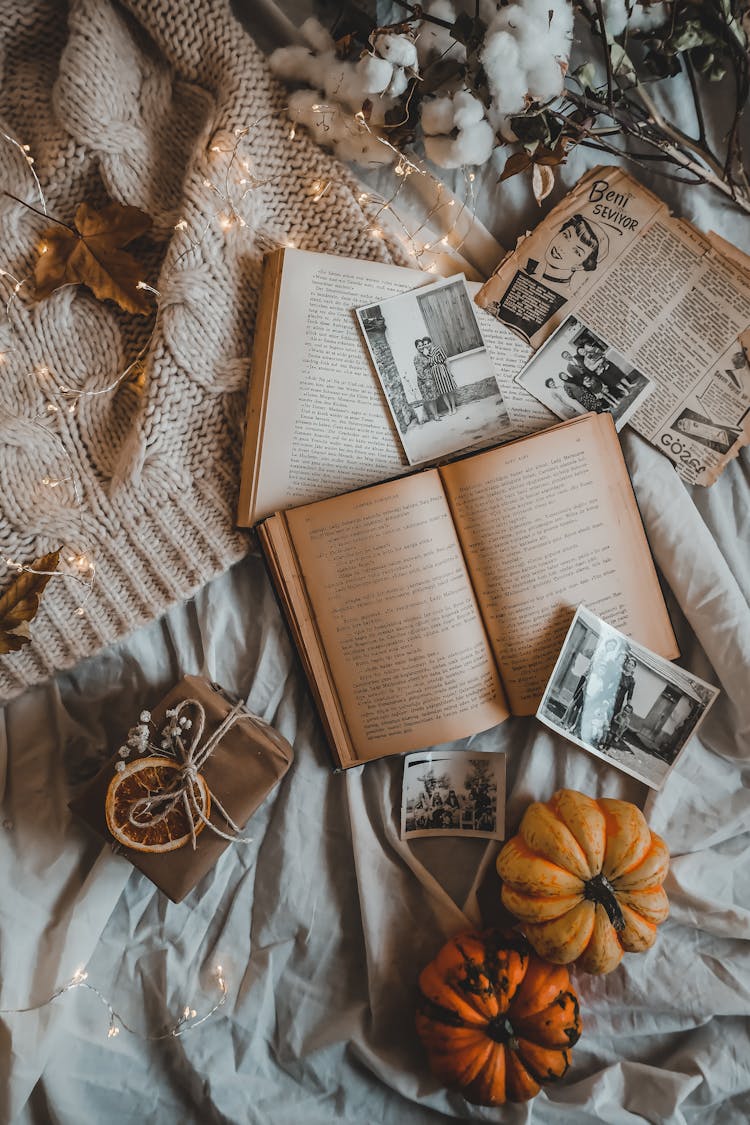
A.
x: 584, y: 877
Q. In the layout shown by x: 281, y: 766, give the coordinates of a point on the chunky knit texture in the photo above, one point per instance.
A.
x: 127, y: 101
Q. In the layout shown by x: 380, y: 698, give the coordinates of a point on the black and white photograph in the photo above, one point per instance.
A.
x: 435, y: 371
x: 458, y: 793
x: 622, y: 702
x: 577, y: 371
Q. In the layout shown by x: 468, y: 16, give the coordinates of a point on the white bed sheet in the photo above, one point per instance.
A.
x: 323, y: 922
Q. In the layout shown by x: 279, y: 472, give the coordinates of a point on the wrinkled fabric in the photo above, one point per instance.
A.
x: 323, y: 923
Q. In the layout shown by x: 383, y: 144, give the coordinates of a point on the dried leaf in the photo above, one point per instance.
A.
x: 518, y: 162
x: 93, y: 255
x: 542, y: 181
x: 20, y: 602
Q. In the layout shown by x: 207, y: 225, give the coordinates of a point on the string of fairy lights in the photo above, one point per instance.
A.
x: 188, y: 1020
x: 79, y: 564
x: 230, y: 188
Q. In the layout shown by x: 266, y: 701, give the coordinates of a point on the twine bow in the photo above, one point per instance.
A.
x: 154, y: 808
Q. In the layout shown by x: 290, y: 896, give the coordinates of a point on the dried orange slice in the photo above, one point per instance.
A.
x: 141, y: 793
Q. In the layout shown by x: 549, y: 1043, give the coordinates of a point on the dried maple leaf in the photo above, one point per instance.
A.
x: 20, y: 602
x: 92, y: 254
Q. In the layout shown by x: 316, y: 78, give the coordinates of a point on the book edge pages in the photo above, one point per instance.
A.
x: 260, y: 375
x: 273, y: 534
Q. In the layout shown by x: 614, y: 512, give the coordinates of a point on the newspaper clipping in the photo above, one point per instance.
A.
x: 673, y: 301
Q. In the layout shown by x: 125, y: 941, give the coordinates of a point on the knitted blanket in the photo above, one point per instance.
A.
x: 140, y: 102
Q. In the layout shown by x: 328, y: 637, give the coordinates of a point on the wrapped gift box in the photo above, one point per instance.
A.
x: 250, y: 759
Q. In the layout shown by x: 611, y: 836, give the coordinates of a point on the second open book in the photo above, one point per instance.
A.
x: 432, y: 607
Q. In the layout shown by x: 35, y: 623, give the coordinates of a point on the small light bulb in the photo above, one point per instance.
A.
x: 451, y: 203
x: 472, y: 177
x: 80, y: 611
x: 445, y: 241
x: 225, y: 222
x: 215, y: 148
x: 113, y: 1032
x: 376, y: 232
x: 182, y: 225
x: 43, y: 248
x: 51, y: 408
x: 292, y: 133
x: 363, y: 197
x: 291, y: 245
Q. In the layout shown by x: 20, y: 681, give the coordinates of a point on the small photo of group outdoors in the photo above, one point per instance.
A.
x: 458, y: 793
x: 622, y: 702
x: 576, y: 371
x: 435, y: 371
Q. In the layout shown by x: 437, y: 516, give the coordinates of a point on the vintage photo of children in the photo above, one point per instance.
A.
x: 456, y: 793
x: 622, y: 702
x: 576, y: 372
x: 435, y: 370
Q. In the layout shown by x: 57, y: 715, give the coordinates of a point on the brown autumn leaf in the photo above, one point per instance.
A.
x: 92, y: 254
x: 20, y: 602
x: 517, y: 162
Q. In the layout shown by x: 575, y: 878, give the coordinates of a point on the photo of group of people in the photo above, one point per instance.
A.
x: 434, y: 369
x: 576, y: 372
x: 621, y: 702
x: 454, y: 794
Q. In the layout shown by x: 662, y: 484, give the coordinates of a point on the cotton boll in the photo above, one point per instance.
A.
x: 342, y: 83
x: 471, y: 146
x: 526, y: 49
x: 397, y: 49
x: 374, y: 73
x: 467, y: 110
x: 317, y: 36
x: 434, y: 40
x: 615, y: 15
x: 506, y: 77
x: 398, y: 83
x: 437, y: 116
x: 295, y: 64
x: 648, y: 17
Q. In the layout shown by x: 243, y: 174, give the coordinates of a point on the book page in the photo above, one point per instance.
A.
x: 547, y: 523
x: 653, y: 287
x: 397, y: 616
x: 326, y: 426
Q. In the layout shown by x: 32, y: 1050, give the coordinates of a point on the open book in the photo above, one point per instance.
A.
x: 317, y: 420
x: 431, y: 607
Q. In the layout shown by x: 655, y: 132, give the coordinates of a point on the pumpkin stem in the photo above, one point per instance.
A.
x: 600, y: 890
x: 501, y: 1030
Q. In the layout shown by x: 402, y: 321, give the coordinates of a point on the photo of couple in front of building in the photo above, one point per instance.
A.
x: 435, y: 371
x: 576, y: 371
x: 622, y: 702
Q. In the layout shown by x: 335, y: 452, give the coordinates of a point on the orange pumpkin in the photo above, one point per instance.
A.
x: 496, y: 1021
x: 584, y: 877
